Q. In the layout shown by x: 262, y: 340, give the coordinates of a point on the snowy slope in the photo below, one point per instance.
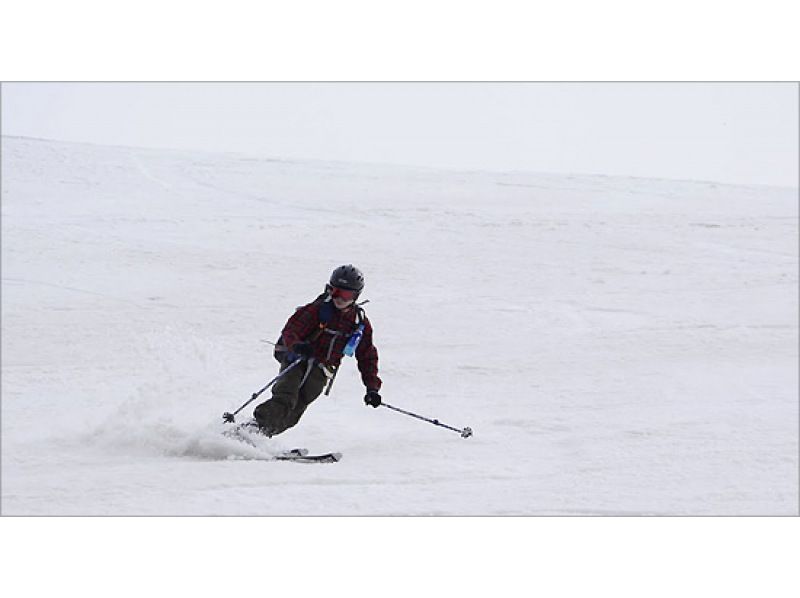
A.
x: 618, y: 345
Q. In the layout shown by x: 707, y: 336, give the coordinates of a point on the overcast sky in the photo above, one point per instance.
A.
x: 739, y: 133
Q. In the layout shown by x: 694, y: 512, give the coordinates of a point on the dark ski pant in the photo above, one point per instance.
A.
x: 289, y: 401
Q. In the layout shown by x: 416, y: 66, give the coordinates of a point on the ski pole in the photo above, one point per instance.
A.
x: 465, y: 433
x: 228, y: 417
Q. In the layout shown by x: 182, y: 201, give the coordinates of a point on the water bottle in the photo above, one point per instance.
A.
x: 350, y: 347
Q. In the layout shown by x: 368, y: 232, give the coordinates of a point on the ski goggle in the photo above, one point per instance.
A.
x: 345, y: 294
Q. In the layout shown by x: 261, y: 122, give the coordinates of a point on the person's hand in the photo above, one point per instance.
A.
x: 302, y: 349
x: 372, y: 398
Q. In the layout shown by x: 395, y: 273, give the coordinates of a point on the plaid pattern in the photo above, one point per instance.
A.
x: 305, y: 322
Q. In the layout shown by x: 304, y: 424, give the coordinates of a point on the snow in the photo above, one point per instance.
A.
x: 620, y: 346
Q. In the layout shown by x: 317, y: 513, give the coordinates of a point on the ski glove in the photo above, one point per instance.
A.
x: 302, y: 349
x: 372, y: 398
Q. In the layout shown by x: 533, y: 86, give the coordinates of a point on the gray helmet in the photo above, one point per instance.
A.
x: 347, y: 277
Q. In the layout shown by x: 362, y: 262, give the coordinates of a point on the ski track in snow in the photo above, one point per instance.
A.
x: 619, y: 346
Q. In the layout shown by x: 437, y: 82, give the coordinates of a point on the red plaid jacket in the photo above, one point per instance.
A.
x: 334, y: 334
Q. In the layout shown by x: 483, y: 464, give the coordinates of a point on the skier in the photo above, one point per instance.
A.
x: 319, y: 334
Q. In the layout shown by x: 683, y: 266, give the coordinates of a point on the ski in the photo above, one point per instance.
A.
x: 293, y: 453
x: 306, y: 458
x: 248, y: 433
